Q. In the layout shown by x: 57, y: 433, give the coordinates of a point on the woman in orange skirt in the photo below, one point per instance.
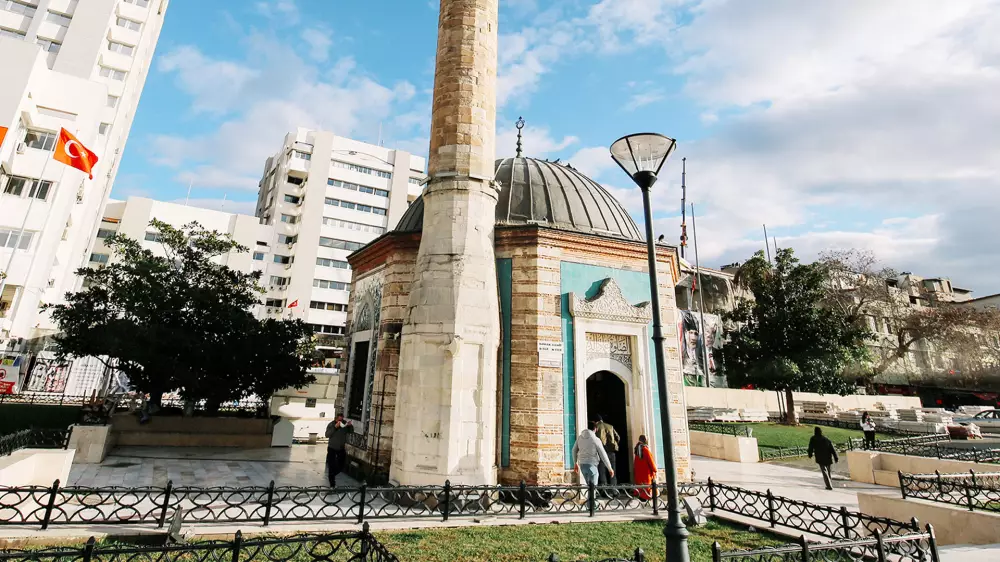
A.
x: 645, y: 469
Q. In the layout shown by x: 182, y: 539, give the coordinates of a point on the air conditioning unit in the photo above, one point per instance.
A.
x: 21, y: 148
x: 283, y: 287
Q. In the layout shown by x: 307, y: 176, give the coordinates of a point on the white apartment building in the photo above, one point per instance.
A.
x: 74, y: 64
x: 327, y: 196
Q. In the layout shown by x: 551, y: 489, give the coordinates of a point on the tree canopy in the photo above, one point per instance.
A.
x: 182, y: 319
x: 783, y: 338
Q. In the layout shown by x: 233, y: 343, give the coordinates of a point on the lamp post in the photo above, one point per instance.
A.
x: 641, y: 156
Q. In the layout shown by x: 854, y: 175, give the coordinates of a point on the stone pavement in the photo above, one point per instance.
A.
x: 299, y: 465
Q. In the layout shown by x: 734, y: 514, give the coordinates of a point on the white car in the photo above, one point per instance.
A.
x: 987, y: 420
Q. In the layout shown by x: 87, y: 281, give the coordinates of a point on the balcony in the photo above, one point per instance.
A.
x: 64, y: 6
x: 133, y: 12
x: 122, y: 35
x: 298, y: 168
x: 49, y: 30
x: 17, y: 22
x: 116, y: 60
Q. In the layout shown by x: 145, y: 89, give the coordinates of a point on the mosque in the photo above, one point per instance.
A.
x: 575, y: 342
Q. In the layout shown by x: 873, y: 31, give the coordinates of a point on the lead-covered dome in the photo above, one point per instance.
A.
x: 547, y: 194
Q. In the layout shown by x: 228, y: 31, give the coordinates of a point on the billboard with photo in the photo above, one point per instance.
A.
x: 701, y: 349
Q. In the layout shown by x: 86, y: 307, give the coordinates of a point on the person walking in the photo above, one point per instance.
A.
x: 868, y: 427
x: 644, y: 469
x: 609, y: 439
x: 336, y: 447
x: 826, y: 455
x: 588, y: 454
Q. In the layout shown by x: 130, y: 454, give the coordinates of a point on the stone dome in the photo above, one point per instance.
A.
x: 547, y: 194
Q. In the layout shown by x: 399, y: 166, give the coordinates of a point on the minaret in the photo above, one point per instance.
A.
x: 445, y: 419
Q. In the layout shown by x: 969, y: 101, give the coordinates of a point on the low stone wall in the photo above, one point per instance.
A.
x: 875, y: 467
x: 725, y: 447
x: 170, y: 431
x: 952, y: 524
x: 36, y: 467
x: 91, y: 442
x: 768, y: 400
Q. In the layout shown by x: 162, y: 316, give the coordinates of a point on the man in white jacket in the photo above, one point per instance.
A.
x: 588, y: 453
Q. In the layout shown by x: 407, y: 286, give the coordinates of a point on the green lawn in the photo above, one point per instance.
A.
x: 775, y: 435
x: 569, y: 541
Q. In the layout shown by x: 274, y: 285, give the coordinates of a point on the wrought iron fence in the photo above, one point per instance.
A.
x: 844, y: 424
x: 736, y: 430
x: 34, y: 439
x: 933, y: 446
x: 58, y: 505
x: 970, y: 490
x: 822, y: 520
x: 354, y: 546
x: 914, y: 547
x: 44, y: 399
x: 637, y: 556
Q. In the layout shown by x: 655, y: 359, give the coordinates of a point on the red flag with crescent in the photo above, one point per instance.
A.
x: 294, y: 304
x: 3, y: 133
x: 71, y: 152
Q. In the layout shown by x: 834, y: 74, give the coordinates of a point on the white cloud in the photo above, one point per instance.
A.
x: 282, y: 11
x: 319, y: 43
x: 537, y: 142
x: 214, y: 84
x: 642, y: 99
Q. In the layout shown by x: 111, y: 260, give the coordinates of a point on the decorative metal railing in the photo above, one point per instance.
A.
x: 355, y: 546
x: 971, y: 490
x: 844, y: 424
x: 823, y: 520
x: 736, y: 430
x: 914, y: 547
x: 358, y: 440
x: 244, y: 406
x: 637, y: 556
x: 34, y: 439
x: 58, y: 505
x: 933, y: 446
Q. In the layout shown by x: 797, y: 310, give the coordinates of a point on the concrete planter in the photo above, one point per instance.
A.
x: 170, y: 431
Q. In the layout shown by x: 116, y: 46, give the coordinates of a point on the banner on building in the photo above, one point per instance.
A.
x: 10, y: 372
x: 48, y: 376
x: 701, y: 349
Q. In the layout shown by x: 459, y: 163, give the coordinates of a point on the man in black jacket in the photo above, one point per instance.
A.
x: 825, y: 453
x: 336, y: 447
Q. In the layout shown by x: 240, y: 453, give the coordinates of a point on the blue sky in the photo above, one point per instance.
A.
x: 860, y: 124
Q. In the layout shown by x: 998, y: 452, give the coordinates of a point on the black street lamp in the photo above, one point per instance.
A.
x: 641, y: 156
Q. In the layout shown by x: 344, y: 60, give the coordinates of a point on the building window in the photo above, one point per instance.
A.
x: 58, y: 19
x: 415, y: 181
x: 48, y: 45
x: 274, y: 303
x: 290, y: 219
x: 361, y: 169
x: 15, y: 239
x: 4, y: 32
x: 18, y: 7
x: 334, y: 306
x: 121, y: 48
x: 301, y: 155
x: 103, y: 130
x: 99, y: 259
x: 354, y: 206
x: 105, y: 233
x: 295, y: 181
x: 335, y: 285
x: 339, y: 244
x: 356, y: 187
x: 40, y: 140
x: 282, y: 259
x: 140, y: 3
x: 128, y: 24
x: 292, y: 199
x: 118, y: 75
x: 113, y: 101
x: 278, y: 281
x: 330, y: 221
x: 258, y: 256
x: 154, y: 237
x: 326, y: 329
x: 286, y: 239
x: 38, y: 189
x: 326, y: 262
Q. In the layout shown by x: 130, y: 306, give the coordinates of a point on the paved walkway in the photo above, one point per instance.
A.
x: 299, y: 465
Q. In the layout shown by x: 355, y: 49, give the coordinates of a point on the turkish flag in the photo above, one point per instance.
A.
x: 294, y: 303
x: 71, y: 152
x: 3, y: 133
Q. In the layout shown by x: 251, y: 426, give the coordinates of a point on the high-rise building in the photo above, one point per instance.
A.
x: 74, y: 64
x: 327, y: 196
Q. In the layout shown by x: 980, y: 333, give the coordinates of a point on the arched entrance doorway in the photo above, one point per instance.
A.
x: 606, y: 398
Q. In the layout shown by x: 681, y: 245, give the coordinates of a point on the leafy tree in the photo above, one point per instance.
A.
x: 782, y: 338
x: 180, y: 319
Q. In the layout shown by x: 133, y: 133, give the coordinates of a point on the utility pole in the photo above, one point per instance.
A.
x: 701, y: 298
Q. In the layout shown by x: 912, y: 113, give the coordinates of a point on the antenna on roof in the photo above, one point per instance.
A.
x: 520, y: 125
